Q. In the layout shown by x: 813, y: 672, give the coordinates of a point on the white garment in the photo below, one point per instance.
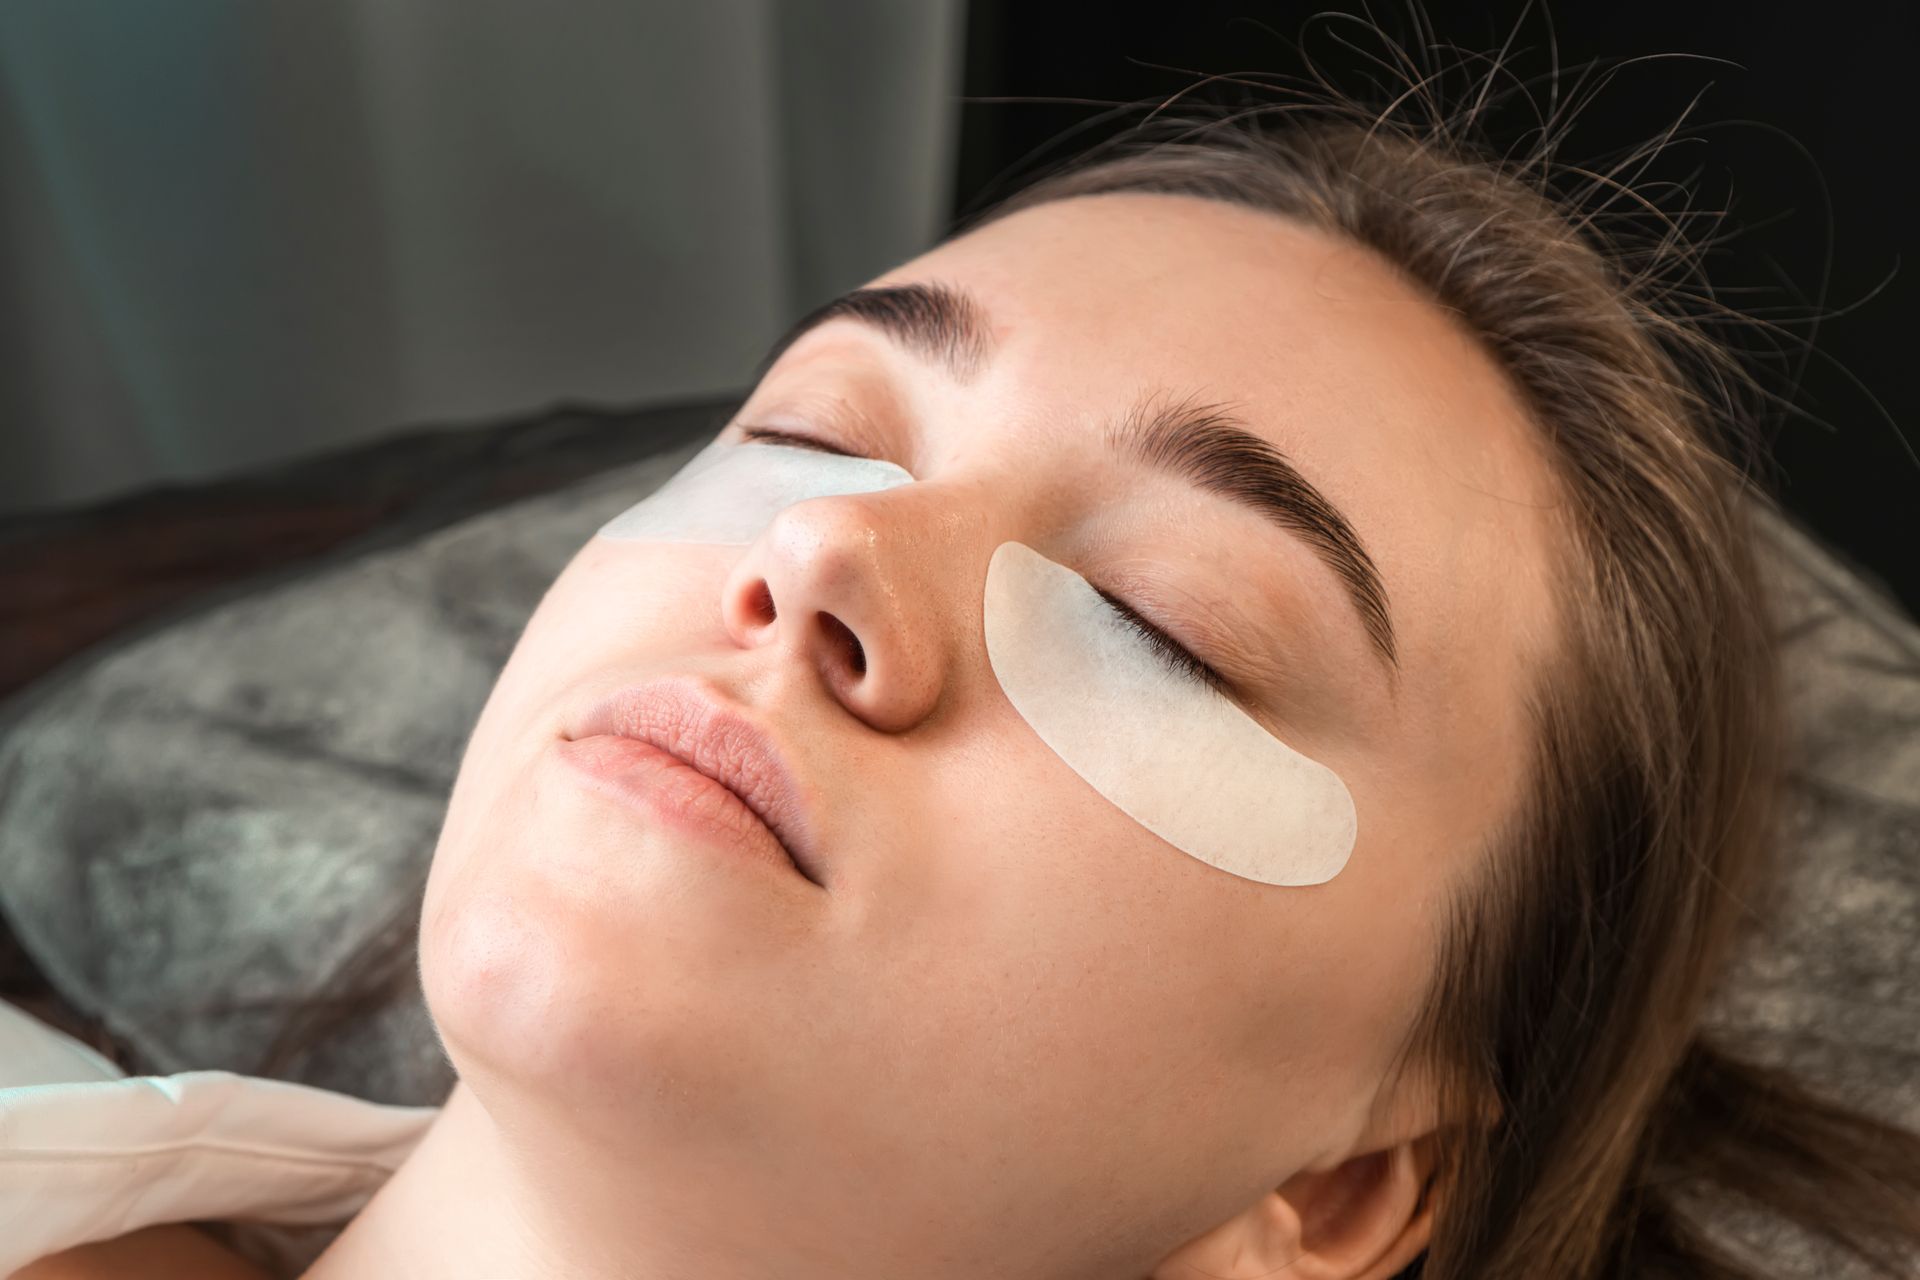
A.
x: 87, y: 1153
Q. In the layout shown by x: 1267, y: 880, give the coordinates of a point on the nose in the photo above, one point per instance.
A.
x: 847, y: 586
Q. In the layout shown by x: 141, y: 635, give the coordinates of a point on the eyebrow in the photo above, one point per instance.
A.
x: 948, y: 327
x: 944, y: 325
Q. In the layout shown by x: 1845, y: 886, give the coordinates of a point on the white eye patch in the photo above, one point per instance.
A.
x: 1175, y: 755
x: 728, y: 493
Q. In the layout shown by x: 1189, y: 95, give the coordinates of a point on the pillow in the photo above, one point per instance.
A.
x: 91, y: 1155
x: 196, y: 828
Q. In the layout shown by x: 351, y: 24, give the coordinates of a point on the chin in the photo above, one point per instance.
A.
x: 490, y: 979
x: 549, y: 1019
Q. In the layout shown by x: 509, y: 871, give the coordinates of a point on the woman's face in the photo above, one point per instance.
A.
x: 1013, y: 1031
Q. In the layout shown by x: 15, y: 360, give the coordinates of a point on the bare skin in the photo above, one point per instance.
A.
x: 1018, y: 1034
x: 173, y: 1251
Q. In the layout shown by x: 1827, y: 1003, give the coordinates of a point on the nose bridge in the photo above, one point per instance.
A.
x: 849, y: 555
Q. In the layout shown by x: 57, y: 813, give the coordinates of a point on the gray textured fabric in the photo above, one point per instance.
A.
x: 199, y: 827
x: 1830, y: 988
x: 226, y: 808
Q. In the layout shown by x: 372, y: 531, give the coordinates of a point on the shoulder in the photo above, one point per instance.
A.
x: 169, y: 1251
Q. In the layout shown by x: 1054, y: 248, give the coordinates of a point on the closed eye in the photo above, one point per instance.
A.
x: 1177, y: 655
x: 793, y: 438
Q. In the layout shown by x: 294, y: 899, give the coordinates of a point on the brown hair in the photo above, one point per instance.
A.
x: 1574, y: 971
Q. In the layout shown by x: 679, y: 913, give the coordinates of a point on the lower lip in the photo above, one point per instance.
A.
x: 674, y: 794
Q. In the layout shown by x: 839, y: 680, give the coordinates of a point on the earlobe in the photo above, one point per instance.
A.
x: 1261, y: 1240
x: 1365, y: 1219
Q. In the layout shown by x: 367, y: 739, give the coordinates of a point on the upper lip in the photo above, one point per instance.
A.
x: 689, y: 720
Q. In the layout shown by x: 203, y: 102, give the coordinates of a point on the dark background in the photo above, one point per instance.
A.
x: 1809, y: 140
x: 1807, y: 137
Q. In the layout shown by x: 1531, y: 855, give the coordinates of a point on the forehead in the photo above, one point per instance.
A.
x: 1373, y: 391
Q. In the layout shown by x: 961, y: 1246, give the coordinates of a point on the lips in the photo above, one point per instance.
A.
x: 688, y: 719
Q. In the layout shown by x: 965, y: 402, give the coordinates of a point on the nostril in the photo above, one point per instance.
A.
x: 839, y: 633
x: 760, y: 603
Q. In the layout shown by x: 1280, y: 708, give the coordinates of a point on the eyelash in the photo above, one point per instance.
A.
x: 792, y: 437
x: 1177, y: 656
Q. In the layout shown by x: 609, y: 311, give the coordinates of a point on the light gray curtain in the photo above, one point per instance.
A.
x: 237, y: 231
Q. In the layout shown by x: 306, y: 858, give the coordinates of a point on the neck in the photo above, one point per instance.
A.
x: 470, y: 1201
x: 477, y: 1197
x: 448, y: 1210
x: 537, y: 1196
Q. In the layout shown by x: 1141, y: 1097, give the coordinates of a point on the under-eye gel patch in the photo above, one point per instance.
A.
x: 1173, y: 753
x: 728, y: 493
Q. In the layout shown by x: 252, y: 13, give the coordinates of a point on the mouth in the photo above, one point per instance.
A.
x: 689, y: 720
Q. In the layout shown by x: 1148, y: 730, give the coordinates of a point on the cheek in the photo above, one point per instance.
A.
x: 615, y: 611
x: 624, y: 597
x: 1031, y: 889
x: 1062, y: 902
x: 1064, y: 981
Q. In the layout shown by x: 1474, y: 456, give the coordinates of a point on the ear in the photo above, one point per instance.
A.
x: 1365, y: 1219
